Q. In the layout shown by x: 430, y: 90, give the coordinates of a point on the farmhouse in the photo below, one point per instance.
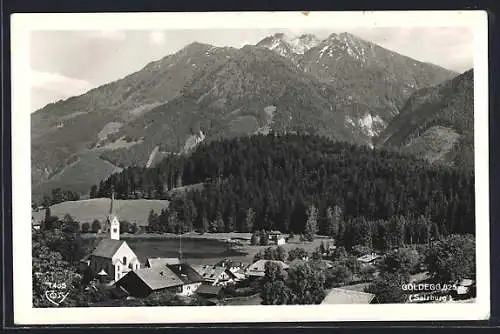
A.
x: 215, y: 275
x: 180, y: 279
x: 344, y: 296
x: 277, y: 238
x: 368, y: 259
x: 258, y: 269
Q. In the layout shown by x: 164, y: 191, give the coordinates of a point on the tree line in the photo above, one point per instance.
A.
x: 57, y: 195
x: 305, y: 184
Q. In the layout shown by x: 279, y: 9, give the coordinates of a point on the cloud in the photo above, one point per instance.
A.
x: 47, y: 87
x: 157, y: 37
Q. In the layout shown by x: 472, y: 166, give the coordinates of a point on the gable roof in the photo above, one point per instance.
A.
x: 212, y: 272
x: 344, y: 296
x: 162, y: 261
x: 107, y: 248
x: 258, y: 268
x: 185, y: 273
x: 157, y: 278
x: 368, y: 258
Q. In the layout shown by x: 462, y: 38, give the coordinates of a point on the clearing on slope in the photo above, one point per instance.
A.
x: 133, y: 211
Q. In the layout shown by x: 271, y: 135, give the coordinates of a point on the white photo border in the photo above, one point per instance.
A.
x: 23, y: 24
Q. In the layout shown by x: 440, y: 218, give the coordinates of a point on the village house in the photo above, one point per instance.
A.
x: 210, y: 293
x: 368, y: 259
x: 258, y: 269
x: 277, y: 238
x: 180, y: 279
x: 112, y: 258
x: 465, y: 288
x: 216, y: 275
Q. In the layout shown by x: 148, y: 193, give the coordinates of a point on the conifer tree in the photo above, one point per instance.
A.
x: 311, y: 227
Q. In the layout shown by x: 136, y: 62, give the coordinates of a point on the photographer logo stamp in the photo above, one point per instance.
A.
x: 57, y: 294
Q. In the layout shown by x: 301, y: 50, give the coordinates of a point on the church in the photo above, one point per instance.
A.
x: 112, y: 258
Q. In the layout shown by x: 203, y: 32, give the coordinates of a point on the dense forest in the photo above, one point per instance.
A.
x: 294, y: 183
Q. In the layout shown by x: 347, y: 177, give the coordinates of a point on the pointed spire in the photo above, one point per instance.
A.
x: 112, y: 200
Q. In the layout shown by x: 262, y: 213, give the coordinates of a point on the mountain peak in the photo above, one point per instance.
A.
x: 197, y: 46
x: 287, y: 46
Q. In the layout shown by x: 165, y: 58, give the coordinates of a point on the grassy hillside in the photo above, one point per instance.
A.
x: 88, y: 168
x: 134, y: 211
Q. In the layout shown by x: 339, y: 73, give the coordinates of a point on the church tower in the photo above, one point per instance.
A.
x: 113, y: 223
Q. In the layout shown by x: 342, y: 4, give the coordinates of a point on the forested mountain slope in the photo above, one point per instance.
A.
x: 279, y: 178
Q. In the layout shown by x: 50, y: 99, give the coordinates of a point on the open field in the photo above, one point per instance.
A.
x: 134, y: 211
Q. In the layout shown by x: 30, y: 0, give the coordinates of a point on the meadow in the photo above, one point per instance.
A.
x: 133, y: 211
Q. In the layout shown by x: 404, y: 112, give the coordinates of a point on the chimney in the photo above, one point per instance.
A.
x: 161, y: 273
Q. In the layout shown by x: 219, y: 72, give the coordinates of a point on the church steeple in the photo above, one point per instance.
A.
x: 113, y: 223
x: 111, y: 205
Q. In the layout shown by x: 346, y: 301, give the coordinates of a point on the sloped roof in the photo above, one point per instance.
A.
x: 258, y: 268
x: 344, y: 296
x: 85, y: 258
x: 157, y: 278
x: 107, y: 248
x: 211, y: 272
x: 368, y: 258
x: 185, y: 273
x: 466, y: 282
x: 162, y: 261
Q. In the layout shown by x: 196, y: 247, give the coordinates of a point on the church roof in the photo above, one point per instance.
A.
x: 107, y: 248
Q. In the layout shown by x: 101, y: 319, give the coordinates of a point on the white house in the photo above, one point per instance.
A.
x: 368, y: 259
x: 216, y: 275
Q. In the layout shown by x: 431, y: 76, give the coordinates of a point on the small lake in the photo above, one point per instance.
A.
x: 199, y: 250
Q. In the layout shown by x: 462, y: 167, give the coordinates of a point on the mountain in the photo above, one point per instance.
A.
x: 370, y: 80
x: 437, y: 123
x: 76, y: 131
x: 202, y: 93
x: 255, y: 91
x: 289, y: 47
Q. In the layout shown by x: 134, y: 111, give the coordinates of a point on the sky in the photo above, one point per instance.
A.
x: 69, y: 63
